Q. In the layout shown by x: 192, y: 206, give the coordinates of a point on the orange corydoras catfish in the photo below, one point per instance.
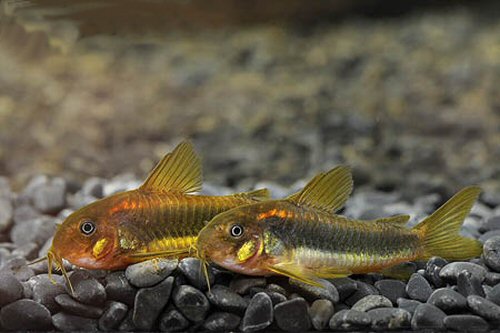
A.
x: 160, y: 218
x: 301, y: 238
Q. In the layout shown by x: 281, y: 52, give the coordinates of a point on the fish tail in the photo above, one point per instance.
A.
x: 440, y: 231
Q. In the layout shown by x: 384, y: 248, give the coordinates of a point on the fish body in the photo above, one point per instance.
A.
x: 301, y: 238
x: 160, y: 218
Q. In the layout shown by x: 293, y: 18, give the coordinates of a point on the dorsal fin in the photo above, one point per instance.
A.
x: 327, y: 191
x: 397, y: 219
x: 179, y: 170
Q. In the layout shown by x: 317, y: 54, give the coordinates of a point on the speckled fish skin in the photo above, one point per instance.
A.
x: 300, y: 237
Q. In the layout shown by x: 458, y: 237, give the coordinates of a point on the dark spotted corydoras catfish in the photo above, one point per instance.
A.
x: 161, y: 217
x: 301, y: 238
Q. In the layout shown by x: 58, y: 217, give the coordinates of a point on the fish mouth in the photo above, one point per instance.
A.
x: 55, y: 261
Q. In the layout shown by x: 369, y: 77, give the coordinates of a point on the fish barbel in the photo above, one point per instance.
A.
x: 301, y: 238
x: 161, y: 218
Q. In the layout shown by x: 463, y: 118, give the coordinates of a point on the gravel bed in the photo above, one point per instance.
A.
x: 172, y: 295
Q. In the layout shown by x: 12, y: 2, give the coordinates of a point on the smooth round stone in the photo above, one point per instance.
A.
x: 408, y: 304
x: 113, y: 315
x: 363, y: 289
x: 173, y: 321
x: 493, y: 223
x: 87, y: 289
x: 69, y: 305
x: 466, y: 323
x: 432, y: 269
x: 392, y: 289
x: 93, y: 187
x: 45, y: 291
x: 418, y: 288
x: 427, y: 316
x: 226, y: 300
x: 494, y: 294
x: 193, y: 271
x: 450, y: 272
x: 311, y: 293
x: 491, y: 253
x: 292, y: 315
x: 242, y: 284
x: 6, y: 213
x: 488, y: 235
x: 149, y: 302
x: 36, y: 231
x: 259, y: 313
x: 320, y: 312
x: 389, y: 318
x: 150, y: 272
x: 119, y: 289
x: 345, y: 287
x: 191, y: 302
x: 50, y: 198
x: 468, y: 285
x: 492, y: 279
x: 221, y: 322
x: 448, y: 300
x: 276, y: 297
x: 484, y: 308
x: 127, y: 325
x: 349, y: 320
x: 66, y: 322
x: 370, y: 302
x: 25, y: 314
x: 10, y: 288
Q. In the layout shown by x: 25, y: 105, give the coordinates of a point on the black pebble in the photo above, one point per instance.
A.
x: 389, y: 318
x: 494, y: 294
x: 320, y: 312
x: 427, y: 316
x: 467, y: 284
x: 242, y: 284
x: 349, y: 320
x: 69, y: 305
x: 149, y: 302
x: 345, y: 287
x: 292, y: 315
x: 226, y: 300
x: 10, y: 288
x: 492, y: 278
x: 363, y: 289
x: 221, y: 322
x: 193, y: 271
x: 408, y: 304
x: 311, y: 293
x: 370, y: 302
x: 66, y: 322
x: 392, y: 289
x: 119, y: 289
x: 484, y: 308
x: 191, y: 302
x: 450, y: 272
x: 466, y: 323
x: 418, y: 288
x: 259, y: 313
x: 87, y: 289
x: 44, y: 291
x: 173, y: 321
x: 432, y: 269
x: 448, y: 300
x: 113, y: 315
x: 25, y: 314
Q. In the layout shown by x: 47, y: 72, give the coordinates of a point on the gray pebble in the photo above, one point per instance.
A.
x: 27, y: 250
x: 494, y: 294
x: 149, y: 303
x: 25, y: 314
x: 276, y: 288
x: 87, y: 289
x: 491, y: 253
x: 311, y: 293
x: 408, y: 304
x: 127, y: 325
x: 191, y: 302
x: 113, y: 315
x: 242, y: 284
x: 345, y: 287
x: 69, y: 305
x: 427, y: 316
x: 363, y: 289
x: 488, y: 235
x: 292, y: 315
x: 226, y: 300
x: 492, y: 278
x: 173, y: 321
x: 37, y: 231
x: 49, y: 198
x: 450, y: 272
x: 221, y: 322
x: 119, y: 289
x: 259, y: 313
x: 44, y: 291
x: 484, y: 308
x: 193, y: 271
x: 10, y: 288
x: 370, y: 302
x: 493, y: 223
x: 24, y: 213
x: 150, y: 272
x: 276, y: 297
x: 466, y: 323
x: 320, y: 312
x: 93, y: 187
x: 392, y: 289
x: 418, y: 288
x: 468, y: 285
x: 349, y: 320
x: 66, y: 322
x: 432, y: 269
x: 6, y: 213
x: 448, y: 300
x: 389, y: 318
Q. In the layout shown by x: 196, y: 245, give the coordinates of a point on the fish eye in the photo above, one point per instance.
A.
x: 236, y: 230
x: 87, y: 228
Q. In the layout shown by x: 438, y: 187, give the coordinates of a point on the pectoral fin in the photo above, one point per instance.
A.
x: 160, y: 254
x: 295, y: 272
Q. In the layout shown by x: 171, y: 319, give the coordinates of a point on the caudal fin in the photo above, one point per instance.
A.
x: 440, y: 231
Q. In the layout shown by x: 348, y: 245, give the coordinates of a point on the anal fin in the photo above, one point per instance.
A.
x: 401, y: 271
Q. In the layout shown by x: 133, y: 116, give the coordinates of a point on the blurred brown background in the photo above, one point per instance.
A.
x: 407, y: 94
